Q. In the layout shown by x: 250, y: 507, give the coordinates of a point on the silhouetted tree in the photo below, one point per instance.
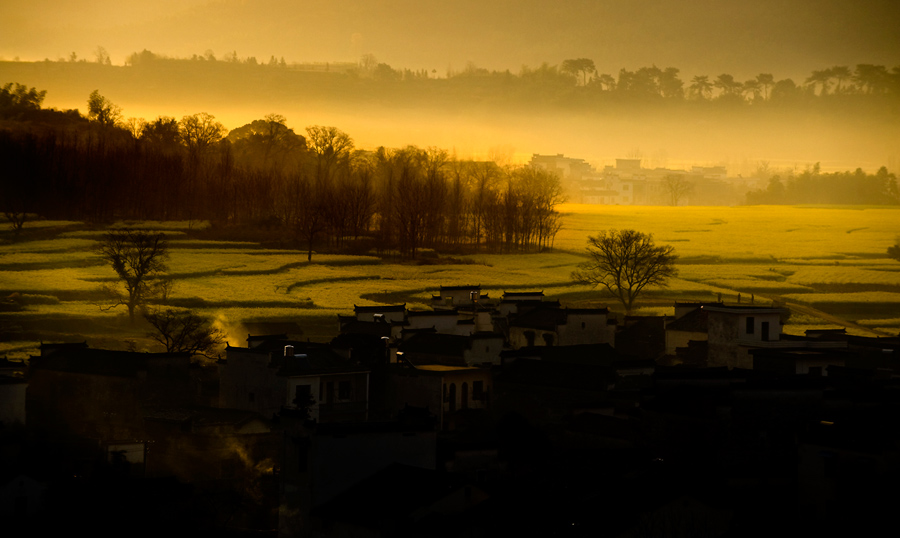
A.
x: 840, y: 73
x: 894, y: 251
x: 765, y: 80
x: 701, y: 87
x: 267, y: 142
x: 102, y: 110
x: 625, y: 262
x: 18, y: 97
x: 138, y: 259
x: 182, y: 331
x: 582, y: 66
x: 677, y: 187
x: 199, y: 133
x: 330, y: 147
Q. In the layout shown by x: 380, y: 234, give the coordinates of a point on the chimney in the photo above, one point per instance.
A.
x: 288, y: 351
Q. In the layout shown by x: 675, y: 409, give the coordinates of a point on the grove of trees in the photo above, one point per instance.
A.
x: 316, y: 189
x: 814, y: 187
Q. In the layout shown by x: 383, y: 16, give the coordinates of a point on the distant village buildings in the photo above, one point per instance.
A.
x: 628, y: 183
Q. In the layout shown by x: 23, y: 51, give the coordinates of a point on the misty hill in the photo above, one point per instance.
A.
x: 535, y: 110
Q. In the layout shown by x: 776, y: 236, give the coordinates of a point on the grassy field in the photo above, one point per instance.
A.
x: 829, y: 263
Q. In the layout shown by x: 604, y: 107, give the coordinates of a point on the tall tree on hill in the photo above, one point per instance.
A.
x: 582, y: 66
x: 701, y: 87
x: 102, y: 110
x: 765, y: 80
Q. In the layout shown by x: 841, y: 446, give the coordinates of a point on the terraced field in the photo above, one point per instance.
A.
x: 828, y: 264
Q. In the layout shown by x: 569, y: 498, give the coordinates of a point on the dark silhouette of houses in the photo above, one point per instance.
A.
x: 275, y: 374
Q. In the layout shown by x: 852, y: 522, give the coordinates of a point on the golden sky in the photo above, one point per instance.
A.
x: 699, y: 36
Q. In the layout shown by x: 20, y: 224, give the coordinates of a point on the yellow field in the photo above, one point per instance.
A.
x: 830, y: 259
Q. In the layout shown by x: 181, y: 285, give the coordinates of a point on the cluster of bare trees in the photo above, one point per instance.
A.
x: 316, y: 189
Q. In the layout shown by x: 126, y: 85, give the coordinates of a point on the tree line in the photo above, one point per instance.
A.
x: 316, y: 189
x: 814, y: 187
x: 574, y: 80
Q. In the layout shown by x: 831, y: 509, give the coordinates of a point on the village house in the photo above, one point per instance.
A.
x: 96, y: 399
x: 457, y: 296
x: 441, y: 389
x: 428, y: 347
x: 549, y: 326
x: 271, y: 376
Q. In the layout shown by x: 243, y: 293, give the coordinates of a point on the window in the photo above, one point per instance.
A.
x: 344, y: 390
x: 751, y: 322
x: 252, y: 397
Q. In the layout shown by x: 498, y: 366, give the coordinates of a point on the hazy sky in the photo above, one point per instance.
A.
x: 787, y: 37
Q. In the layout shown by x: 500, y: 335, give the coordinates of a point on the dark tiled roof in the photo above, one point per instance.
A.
x: 694, y: 322
x: 100, y: 361
x: 436, y: 344
x: 432, y: 313
x: 309, y: 358
x: 380, y: 308
x: 374, y: 328
x: 549, y: 318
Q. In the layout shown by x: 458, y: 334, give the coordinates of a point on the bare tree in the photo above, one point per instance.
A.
x: 677, y: 187
x: 331, y: 148
x: 138, y: 258
x: 182, y: 331
x: 200, y: 132
x: 625, y: 262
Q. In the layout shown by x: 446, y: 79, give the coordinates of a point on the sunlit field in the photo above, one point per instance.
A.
x: 828, y: 264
